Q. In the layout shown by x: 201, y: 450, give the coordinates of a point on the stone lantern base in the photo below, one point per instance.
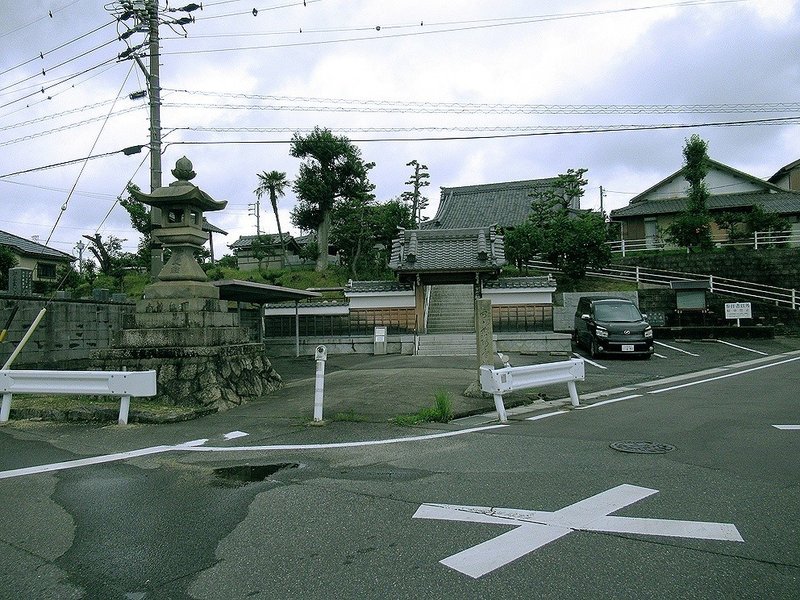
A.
x: 202, y: 355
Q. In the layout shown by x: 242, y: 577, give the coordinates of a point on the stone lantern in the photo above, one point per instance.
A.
x: 181, y: 231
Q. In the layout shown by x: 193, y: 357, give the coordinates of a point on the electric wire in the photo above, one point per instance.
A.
x: 94, y: 144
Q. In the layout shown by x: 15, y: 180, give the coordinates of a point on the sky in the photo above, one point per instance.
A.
x: 518, y: 89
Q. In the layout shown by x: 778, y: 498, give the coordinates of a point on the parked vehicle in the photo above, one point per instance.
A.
x: 612, y: 326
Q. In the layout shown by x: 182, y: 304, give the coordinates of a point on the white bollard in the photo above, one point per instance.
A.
x: 321, y: 355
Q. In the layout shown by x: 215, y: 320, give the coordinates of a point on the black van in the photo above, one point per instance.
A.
x: 612, y: 326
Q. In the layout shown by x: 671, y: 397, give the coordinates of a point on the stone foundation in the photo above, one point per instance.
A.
x: 211, y: 376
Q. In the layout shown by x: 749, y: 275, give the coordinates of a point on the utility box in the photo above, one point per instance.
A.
x: 380, y: 340
x: 20, y: 281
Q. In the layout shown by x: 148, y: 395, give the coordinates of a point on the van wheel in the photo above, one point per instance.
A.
x: 594, y: 350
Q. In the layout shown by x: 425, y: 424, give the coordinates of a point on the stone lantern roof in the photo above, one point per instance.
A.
x: 181, y: 192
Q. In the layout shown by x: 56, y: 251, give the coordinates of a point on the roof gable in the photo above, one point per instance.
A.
x: 505, y: 204
x: 31, y: 248
x: 721, y: 180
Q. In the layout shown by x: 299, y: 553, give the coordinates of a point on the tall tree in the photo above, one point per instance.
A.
x: 692, y: 227
x: 332, y: 169
x: 140, y: 220
x: 274, y: 183
x: 418, y: 180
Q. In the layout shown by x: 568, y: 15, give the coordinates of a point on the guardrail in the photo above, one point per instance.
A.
x: 94, y: 383
x: 510, y: 379
x: 779, y: 296
x: 756, y: 240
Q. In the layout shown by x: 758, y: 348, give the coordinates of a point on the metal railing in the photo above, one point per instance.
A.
x: 779, y: 296
x: 756, y: 240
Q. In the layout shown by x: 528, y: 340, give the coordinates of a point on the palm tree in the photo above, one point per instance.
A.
x: 275, y: 183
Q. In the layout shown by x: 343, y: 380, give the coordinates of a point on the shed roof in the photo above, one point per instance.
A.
x: 505, y: 204
x: 259, y: 293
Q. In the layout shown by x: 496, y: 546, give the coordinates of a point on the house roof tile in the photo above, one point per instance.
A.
x: 30, y: 248
x: 772, y: 202
x: 464, y: 250
x: 505, y: 204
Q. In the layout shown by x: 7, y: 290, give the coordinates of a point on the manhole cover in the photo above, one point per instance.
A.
x: 250, y: 473
x: 643, y: 447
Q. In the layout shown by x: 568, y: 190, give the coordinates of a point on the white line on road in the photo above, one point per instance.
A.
x: 676, y: 349
x: 691, y: 383
x: 198, y: 445
x: 235, y: 434
x: 591, y: 362
x: 536, y: 528
x: 552, y: 414
x: 743, y: 348
x: 787, y: 427
x: 659, y: 355
x: 608, y: 402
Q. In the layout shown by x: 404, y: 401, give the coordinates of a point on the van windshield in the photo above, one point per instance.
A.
x: 617, y: 312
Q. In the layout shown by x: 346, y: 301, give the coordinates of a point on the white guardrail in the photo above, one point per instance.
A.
x: 759, y: 239
x: 94, y: 383
x: 778, y: 296
x: 510, y: 379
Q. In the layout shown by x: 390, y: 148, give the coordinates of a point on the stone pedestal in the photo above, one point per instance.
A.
x: 202, y: 355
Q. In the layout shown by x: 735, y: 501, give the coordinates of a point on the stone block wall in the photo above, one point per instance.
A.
x: 69, y: 331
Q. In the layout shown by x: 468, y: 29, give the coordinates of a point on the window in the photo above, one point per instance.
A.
x: 45, y: 271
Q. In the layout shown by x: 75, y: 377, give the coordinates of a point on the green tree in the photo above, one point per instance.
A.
x: 8, y: 260
x: 332, y: 169
x: 274, y: 183
x: 417, y: 181
x: 109, y: 254
x: 692, y: 228
x: 572, y: 241
x: 140, y: 220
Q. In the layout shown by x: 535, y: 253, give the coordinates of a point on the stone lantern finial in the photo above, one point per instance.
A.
x: 183, y: 170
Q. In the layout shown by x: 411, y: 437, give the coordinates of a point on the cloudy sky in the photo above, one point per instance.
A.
x: 519, y: 89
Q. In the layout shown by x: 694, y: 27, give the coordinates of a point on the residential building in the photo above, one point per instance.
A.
x: 42, y: 260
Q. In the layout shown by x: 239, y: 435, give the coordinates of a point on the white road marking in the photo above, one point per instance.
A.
x: 591, y: 362
x: 787, y: 427
x: 608, y: 402
x: 659, y: 355
x: 534, y: 529
x: 235, y: 434
x: 691, y: 383
x: 544, y: 416
x: 743, y: 348
x: 198, y: 445
x: 676, y: 349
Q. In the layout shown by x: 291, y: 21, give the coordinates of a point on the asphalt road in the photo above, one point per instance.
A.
x: 339, y: 522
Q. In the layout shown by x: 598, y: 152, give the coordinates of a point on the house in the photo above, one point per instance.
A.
x: 264, y: 251
x: 505, y: 204
x: 651, y: 212
x: 42, y: 260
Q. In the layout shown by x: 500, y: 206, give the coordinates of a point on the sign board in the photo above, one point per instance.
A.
x: 738, y: 310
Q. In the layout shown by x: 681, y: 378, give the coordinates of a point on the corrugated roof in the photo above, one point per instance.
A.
x: 506, y: 204
x: 30, y: 248
x: 467, y: 250
x: 772, y: 202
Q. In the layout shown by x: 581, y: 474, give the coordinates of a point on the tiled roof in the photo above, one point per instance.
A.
x: 504, y: 204
x: 521, y: 282
x: 272, y: 239
x: 363, y: 287
x: 772, y: 202
x: 29, y: 248
x: 447, y: 251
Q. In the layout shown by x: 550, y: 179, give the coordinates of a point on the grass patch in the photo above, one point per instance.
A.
x: 440, y: 412
x: 59, y: 404
x: 350, y: 416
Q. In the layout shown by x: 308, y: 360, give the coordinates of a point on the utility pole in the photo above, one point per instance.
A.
x: 254, y: 210
x: 154, y: 89
x: 602, y: 195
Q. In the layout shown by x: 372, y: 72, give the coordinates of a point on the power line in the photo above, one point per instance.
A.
x: 446, y: 29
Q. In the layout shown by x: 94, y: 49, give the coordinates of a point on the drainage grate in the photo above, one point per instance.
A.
x: 251, y: 473
x: 642, y: 447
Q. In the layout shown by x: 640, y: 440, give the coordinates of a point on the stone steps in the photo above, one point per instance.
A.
x: 447, y: 344
x: 452, y: 309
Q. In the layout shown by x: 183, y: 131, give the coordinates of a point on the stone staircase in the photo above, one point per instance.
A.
x: 451, y: 322
x: 452, y: 309
x: 447, y: 344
